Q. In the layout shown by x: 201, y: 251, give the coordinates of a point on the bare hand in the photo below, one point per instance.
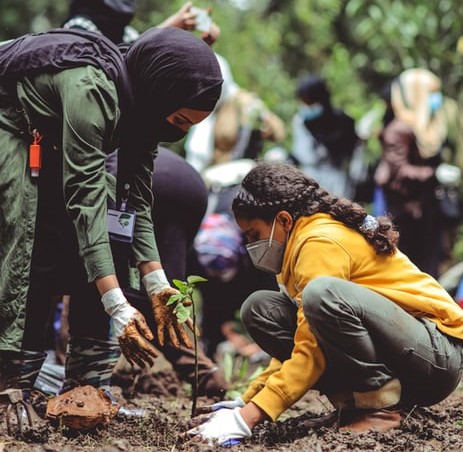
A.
x: 209, y: 37
x: 183, y: 18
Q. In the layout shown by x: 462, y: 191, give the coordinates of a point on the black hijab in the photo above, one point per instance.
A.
x: 334, y: 129
x: 169, y: 68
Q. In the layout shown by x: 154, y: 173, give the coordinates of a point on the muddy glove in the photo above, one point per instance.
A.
x: 230, y: 404
x: 130, y: 328
x: 159, y: 290
x: 223, y: 428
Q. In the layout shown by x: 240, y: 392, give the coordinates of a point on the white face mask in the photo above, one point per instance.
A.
x: 267, y: 254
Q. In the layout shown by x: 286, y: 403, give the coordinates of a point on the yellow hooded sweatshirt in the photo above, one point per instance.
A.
x: 321, y: 246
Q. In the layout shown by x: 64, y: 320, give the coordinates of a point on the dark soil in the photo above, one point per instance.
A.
x: 168, y: 409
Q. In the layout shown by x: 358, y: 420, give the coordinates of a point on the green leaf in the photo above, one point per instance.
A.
x: 182, y: 313
x: 244, y: 369
x: 233, y: 394
x: 174, y: 298
x: 181, y: 285
x: 228, y: 366
x: 194, y: 279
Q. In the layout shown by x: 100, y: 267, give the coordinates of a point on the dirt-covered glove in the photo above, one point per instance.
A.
x: 223, y: 428
x: 130, y: 329
x: 160, y: 291
x: 230, y: 404
x: 82, y: 408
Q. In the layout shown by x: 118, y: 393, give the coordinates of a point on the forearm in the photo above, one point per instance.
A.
x: 141, y: 200
x: 148, y: 266
x: 106, y: 283
x: 253, y: 415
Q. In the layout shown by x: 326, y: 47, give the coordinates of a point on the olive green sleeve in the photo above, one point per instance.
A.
x: 85, y: 103
x: 141, y: 200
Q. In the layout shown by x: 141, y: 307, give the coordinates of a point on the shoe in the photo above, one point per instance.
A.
x: 361, y: 421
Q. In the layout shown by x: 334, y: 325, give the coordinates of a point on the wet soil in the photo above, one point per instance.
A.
x: 167, y: 402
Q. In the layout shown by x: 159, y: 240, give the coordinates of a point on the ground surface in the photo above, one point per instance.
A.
x: 168, y: 408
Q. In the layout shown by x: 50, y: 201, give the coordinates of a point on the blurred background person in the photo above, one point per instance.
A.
x: 324, y: 137
x: 112, y: 18
x: 412, y: 140
x: 238, y: 127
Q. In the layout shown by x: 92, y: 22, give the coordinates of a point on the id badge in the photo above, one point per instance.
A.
x: 121, y: 225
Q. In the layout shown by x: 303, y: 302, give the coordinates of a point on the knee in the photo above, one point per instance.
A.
x: 251, y: 306
x: 318, y: 295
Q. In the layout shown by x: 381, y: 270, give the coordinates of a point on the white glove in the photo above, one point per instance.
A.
x: 224, y: 428
x: 229, y: 404
x: 155, y: 281
x: 118, y: 308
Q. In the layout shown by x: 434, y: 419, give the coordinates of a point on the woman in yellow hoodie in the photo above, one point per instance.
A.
x: 354, y: 319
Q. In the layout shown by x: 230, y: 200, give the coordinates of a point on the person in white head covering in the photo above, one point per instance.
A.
x: 412, y: 138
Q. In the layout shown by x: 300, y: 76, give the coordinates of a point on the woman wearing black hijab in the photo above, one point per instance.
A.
x: 324, y: 138
x: 74, y: 94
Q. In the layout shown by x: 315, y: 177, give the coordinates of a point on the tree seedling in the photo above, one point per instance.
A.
x: 184, y: 309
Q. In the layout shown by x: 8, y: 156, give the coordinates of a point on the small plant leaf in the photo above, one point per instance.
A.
x: 182, y: 313
x: 244, y: 369
x: 194, y: 279
x: 228, y: 367
x: 233, y: 393
x: 180, y: 285
x: 174, y: 298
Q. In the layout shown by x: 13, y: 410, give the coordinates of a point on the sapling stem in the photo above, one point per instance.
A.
x: 183, y: 304
x: 195, y: 381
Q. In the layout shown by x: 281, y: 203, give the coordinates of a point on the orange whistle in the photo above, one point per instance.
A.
x: 35, y: 155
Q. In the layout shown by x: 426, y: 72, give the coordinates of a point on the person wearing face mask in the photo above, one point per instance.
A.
x: 342, y: 323
x: 413, y: 136
x: 324, y: 137
x: 68, y: 99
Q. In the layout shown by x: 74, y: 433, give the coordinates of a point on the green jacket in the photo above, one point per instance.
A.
x: 77, y: 112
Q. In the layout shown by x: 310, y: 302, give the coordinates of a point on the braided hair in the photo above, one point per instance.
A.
x: 271, y: 187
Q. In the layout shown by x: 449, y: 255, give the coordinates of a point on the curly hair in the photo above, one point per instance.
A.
x: 271, y: 187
